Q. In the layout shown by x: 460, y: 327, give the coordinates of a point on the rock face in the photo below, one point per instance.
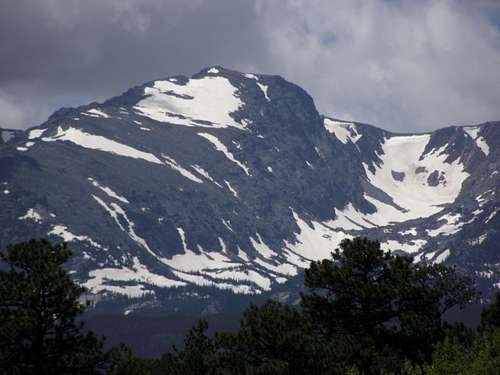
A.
x: 233, y: 182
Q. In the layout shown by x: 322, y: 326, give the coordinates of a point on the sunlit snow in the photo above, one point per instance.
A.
x: 36, y: 133
x: 231, y: 189
x: 473, y: 132
x: 205, y: 174
x: 31, y: 214
x: 97, y: 142
x: 344, y: 131
x: 95, y: 113
x: 219, y: 146
x: 210, y: 98
x: 108, y: 191
x: 451, y: 226
x: 183, y: 171
x: 414, y: 194
x: 137, y: 273
x: 63, y: 232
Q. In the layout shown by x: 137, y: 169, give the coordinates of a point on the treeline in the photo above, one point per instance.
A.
x: 365, y: 311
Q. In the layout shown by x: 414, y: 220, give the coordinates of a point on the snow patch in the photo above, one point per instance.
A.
x: 208, y: 99
x: 473, y: 131
x: 414, y: 194
x: 137, y: 273
x: 63, y: 232
x: 33, y: 215
x: 231, y: 189
x: 491, y: 216
x: 108, y: 191
x: 343, y: 131
x: 349, y: 219
x: 316, y: 240
x: 36, y: 133
x: 96, y: 113
x: 219, y: 146
x: 413, y: 247
x: 174, y: 165
x: 478, y: 241
x: 411, y: 231
x: 451, y: 226
x: 205, y: 174
x: 190, y: 261
x: 97, y: 142
x: 115, y: 211
x: 227, y: 224
x: 442, y: 257
x: 262, y: 87
x: 261, y: 247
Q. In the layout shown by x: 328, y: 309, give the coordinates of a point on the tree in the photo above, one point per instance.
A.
x: 198, y: 356
x: 452, y: 357
x: 490, y: 316
x: 39, y: 308
x: 272, y: 339
x: 380, y: 308
x: 275, y: 339
x: 123, y: 362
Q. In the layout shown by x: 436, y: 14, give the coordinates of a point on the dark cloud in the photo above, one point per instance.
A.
x: 402, y: 65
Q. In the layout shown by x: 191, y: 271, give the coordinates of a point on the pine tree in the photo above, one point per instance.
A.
x: 274, y: 338
x: 39, y: 309
x: 490, y: 315
x: 380, y: 309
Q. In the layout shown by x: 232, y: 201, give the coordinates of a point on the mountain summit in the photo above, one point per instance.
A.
x: 234, y: 182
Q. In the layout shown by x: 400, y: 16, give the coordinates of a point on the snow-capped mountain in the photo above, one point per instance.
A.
x: 235, y: 182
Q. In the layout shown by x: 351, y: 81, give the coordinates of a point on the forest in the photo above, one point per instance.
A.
x: 363, y: 311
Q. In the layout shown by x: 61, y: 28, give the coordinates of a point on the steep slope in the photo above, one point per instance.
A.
x: 234, y: 181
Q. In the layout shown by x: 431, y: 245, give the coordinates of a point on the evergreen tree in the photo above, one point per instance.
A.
x: 275, y: 338
x: 198, y: 356
x: 379, y: 307
x: 452, y: 357
x: 39, y: 307
x: 123, y: 362
x: 490, y: 316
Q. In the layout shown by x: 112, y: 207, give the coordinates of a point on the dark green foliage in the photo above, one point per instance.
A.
x: 490, y: 316
x: 123, y: 362
x: 272, y: 339
x: 278, y: 337
x: 39, y: 305
x: 382, y: 308
x: 452, y: 357
x: 366, y: 312
x: 198, y: 356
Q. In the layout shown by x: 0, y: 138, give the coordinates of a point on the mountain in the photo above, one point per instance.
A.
x: 198, y: 192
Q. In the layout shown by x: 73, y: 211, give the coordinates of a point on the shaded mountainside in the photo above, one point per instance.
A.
x: 193, y: 193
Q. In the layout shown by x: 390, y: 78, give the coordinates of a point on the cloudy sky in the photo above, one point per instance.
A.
x: 401, y: 65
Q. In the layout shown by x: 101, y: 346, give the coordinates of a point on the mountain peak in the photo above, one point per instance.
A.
x: 234, y: 181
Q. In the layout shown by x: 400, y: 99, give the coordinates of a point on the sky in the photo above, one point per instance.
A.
x: 405, y: 66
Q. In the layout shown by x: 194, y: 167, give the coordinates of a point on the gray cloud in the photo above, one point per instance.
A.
x: 402, y: 65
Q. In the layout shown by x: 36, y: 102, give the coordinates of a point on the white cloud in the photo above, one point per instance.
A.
x: 16, y: 113
x: 400, y: 65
